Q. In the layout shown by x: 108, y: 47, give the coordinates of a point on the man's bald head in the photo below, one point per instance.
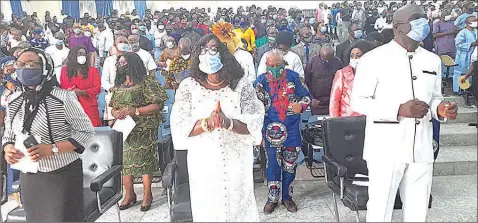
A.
x: 408, y: 13
x: 274, y: 58
x: 469, y: 20
x: 326, y: 52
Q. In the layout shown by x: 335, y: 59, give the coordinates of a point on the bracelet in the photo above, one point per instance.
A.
x: 231, y: 125
x: 204, y: 125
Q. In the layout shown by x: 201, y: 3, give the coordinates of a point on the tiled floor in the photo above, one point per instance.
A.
x: 454, y: 199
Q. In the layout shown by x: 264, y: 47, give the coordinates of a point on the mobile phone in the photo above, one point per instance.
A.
x: 30, y: 142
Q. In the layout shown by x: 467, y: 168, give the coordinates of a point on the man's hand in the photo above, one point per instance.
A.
x: 39, y: 151
x: 474, y: 43
x: 296, y: 107
x: 315, y: 103
x: 413, y: 109
x: 447, y: 110
x: 119, y: 114
x: 12, y: 155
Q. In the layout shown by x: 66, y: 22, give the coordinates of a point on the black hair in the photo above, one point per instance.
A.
x: 352, y: 25
x: 362, y: 45
x: 231, y: 72
x: 136, y: 69
x: 72, y: 65
x: 375, y: 37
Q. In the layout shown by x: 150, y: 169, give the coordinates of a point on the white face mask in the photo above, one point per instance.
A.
x: 161, y: 27
x: 81, y: 60
x: 186, y: 56
x: 88, y: 34
x: 474, y: 24
x: 169, y: 45
x: 354, y: 62
x: 448, y: 18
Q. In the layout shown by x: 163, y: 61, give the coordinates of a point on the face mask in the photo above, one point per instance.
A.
x: 142, y: 28
x: 161, y: 27
x: 134, y: 31
x: 263, y: 21
x: 135, y: 47
x: 448, y: 18
x: 77, y: 31
x: 323, y: 29
x: 419, y: 29
x: 59, y: 42
x: 37, y: 32
x: 473, y: 24
x: 88, y: 34
x: 358, y: 34
x: 123, y: 70
x: 186, y: 56
x: 30, y: 77
x: 276, y: 72
x: 312, y: 21
x: 169, y: 45
x: 274, y: 16
x: 354, y: 62
x: 123, y: 47
x: 155, y: 20
x: 210, y: 64
x: 271, y: 39
x: 81, y: 60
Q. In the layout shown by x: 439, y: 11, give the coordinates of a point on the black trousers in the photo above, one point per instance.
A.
x: 55, y: 196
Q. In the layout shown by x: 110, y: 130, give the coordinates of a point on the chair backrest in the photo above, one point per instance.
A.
x: 105, y: 151
x: 181, y: 158
x: 447, y: 60
x: 344, y: 140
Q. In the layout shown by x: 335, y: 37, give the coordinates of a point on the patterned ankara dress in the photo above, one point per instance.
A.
x: 282, y: 140
x: 140, y: 150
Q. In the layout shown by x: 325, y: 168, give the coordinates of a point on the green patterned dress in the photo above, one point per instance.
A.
x: 140, y: 150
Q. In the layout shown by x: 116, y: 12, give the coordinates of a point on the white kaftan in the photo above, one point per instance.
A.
x: 219, y: 163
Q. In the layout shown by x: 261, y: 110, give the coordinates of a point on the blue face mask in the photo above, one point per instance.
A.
x: 142, y: 28
x: 30, y: 77
x: 37, y: 31
x: 210, y: 64
x: 358, y: 34
x: 59, y: 42
x: 419, y: 29
x: 123, y: 47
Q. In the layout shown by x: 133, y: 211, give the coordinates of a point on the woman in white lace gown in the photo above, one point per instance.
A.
x: 219, y: 140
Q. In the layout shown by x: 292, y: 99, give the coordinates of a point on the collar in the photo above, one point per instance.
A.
x: 400, y: 49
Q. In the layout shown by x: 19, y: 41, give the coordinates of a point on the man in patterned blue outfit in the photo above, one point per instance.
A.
x: 285, y: 98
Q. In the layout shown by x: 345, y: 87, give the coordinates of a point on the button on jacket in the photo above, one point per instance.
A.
x: 386, y: 78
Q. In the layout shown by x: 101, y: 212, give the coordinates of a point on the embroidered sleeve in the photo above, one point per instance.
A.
x: 252, y: 110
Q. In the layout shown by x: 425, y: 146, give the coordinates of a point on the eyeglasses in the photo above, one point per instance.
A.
x: 212, y: 50
x: 29, y: 65
x: 121, y: 63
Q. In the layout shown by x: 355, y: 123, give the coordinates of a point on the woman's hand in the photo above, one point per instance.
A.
x: 39, y: 151
x: 119, y: 114
x: 12, y: 155
x: 220, y: 120
x: 80, y: 92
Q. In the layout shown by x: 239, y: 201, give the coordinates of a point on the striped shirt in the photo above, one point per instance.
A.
x: 61, y: 118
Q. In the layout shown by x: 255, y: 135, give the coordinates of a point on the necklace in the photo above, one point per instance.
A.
x: 214, y: 85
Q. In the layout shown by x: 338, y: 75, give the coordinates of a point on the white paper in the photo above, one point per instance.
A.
x: 125, y: 126
x: 168, y: 63
x: 25, y: 164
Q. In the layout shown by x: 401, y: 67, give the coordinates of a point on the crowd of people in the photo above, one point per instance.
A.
x: 240, y: 78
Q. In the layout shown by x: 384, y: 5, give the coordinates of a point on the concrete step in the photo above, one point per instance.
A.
x: 452, y: 160
x: 456, y: 160
x: 458, y: 134
x: 465, y: 115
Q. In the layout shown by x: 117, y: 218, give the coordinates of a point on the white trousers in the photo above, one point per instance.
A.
x: 414, y: 181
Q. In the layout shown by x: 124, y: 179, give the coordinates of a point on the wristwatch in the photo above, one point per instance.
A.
x: 136, y: 113
x: 54, y: 149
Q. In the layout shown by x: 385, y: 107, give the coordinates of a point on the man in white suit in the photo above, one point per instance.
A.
x: 398, y: 87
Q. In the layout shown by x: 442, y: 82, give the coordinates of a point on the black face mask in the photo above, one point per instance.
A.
x: 123, y: 70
